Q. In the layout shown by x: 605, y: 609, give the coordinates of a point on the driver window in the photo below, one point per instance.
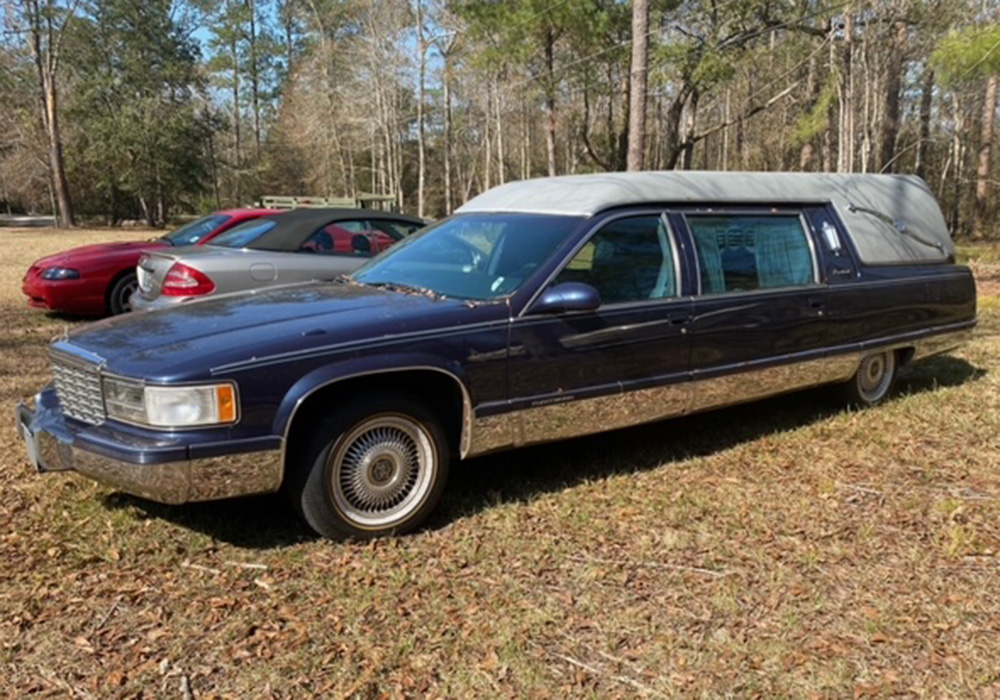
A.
x: 628, y: 260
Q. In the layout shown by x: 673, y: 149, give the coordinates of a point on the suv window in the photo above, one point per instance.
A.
x: 630, y: 259
x: 747, y: 252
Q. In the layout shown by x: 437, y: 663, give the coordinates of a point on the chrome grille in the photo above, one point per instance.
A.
x: 78, y: 386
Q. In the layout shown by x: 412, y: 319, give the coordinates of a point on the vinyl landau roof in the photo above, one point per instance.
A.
x: 891, y: 218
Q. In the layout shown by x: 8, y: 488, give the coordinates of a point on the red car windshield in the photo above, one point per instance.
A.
x: 195, y: 231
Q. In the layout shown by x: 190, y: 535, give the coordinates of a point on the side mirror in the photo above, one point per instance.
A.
x: 568, y: 296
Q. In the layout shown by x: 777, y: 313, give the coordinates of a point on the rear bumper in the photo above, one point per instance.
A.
x: 141, y: 303
x: 53, y: 445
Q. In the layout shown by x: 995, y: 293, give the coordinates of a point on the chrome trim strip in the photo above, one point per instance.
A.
x: 76, y: 355
x: 465, y: 440
x: 556, y: 421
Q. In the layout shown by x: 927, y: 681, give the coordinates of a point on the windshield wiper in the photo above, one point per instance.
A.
x: 406, y: 289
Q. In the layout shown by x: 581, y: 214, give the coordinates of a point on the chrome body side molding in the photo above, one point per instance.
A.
x: 575, y: 418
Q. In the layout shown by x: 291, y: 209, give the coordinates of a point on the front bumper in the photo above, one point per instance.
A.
x: 54, y: 446
x: 79, y: 296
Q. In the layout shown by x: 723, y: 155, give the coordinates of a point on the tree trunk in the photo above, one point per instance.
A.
x: 501, y: 156
x: 254, y: 77
x: 890, y: 124
x: 983, y: 168
x: 421, y: 87
x: 924, y: 144
x: 638, y: 75
x: 46, y: 56
x: 807, y: 154
x: 448, y: 197
x: 845, y: 157
x: 488, y: 134
x: 687, y: 152
x: 57, y: 162
x: 237, y: 144
x: 550, y: 102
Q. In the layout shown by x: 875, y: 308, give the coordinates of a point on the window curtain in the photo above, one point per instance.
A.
x: 782, y: 255
x: 709, y: 258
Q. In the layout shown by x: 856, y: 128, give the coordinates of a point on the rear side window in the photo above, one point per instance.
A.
x: 243, y: 235
x: 396, y: 229
x: 748, y: 252
x: 340, y: 238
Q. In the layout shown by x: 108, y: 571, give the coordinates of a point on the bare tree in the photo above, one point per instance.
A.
x: 47, y: 22
x: 639, y: 75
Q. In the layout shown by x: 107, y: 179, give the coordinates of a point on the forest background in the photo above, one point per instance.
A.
x: 145, y: 109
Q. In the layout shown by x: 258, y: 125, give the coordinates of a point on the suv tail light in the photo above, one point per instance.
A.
x: 184, y: 281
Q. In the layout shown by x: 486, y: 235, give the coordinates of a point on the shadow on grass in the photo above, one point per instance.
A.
x: 254, y: 522
x: 530, y: 472
x: 266, y: 522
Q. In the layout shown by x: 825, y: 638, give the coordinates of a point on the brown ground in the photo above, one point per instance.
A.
x: 786, y: 548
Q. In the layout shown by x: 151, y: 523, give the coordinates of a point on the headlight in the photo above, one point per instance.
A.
x: 60, y: 273
x: 170, y: 406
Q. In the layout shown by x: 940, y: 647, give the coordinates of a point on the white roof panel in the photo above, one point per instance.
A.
x: 891, y: 218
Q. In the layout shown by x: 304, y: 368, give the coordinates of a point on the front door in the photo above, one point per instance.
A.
x: 581, y: 372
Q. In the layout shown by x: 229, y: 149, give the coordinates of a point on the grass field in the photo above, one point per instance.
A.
x: 786, y: 548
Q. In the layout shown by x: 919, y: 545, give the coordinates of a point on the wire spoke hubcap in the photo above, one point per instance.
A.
x: 381, y: 471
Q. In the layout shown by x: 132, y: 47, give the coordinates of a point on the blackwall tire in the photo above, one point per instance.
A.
x: 121, y: 290
x: 375, y: 467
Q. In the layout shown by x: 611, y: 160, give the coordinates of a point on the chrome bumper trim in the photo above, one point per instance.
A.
x: 171, y: 482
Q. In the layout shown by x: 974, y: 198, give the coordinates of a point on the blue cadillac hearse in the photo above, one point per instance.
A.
x: 542, y: 310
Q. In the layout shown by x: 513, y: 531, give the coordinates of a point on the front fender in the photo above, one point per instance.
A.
x: 326, y: 375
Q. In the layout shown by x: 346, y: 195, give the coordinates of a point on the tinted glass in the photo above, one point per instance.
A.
x: 196, y: 230
x: 745, y: 252
x: 243, y: 235
x: 627, y: 260
x: 472, y: 256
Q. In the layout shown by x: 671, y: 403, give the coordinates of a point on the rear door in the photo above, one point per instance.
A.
x: 760, y: 303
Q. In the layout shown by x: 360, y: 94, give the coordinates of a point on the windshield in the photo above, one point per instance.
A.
x: 472, y: 256
x: 195, y: 231
x: 243, y: 235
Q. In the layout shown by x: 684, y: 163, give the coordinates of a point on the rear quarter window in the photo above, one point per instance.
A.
x: 750, y: 252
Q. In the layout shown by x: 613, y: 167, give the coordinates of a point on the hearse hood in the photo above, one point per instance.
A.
x: 190, y: 340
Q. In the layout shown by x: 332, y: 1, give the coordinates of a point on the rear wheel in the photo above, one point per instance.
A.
x: 376, y: 467
x: 874, y: 379
x: 121, y: 292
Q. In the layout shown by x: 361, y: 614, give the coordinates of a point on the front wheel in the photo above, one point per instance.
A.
x: 121, y: 292
x: 375, y: 467
x: 873, y: 381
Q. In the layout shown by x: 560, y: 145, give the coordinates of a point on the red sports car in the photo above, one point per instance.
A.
x: 97, y: 280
